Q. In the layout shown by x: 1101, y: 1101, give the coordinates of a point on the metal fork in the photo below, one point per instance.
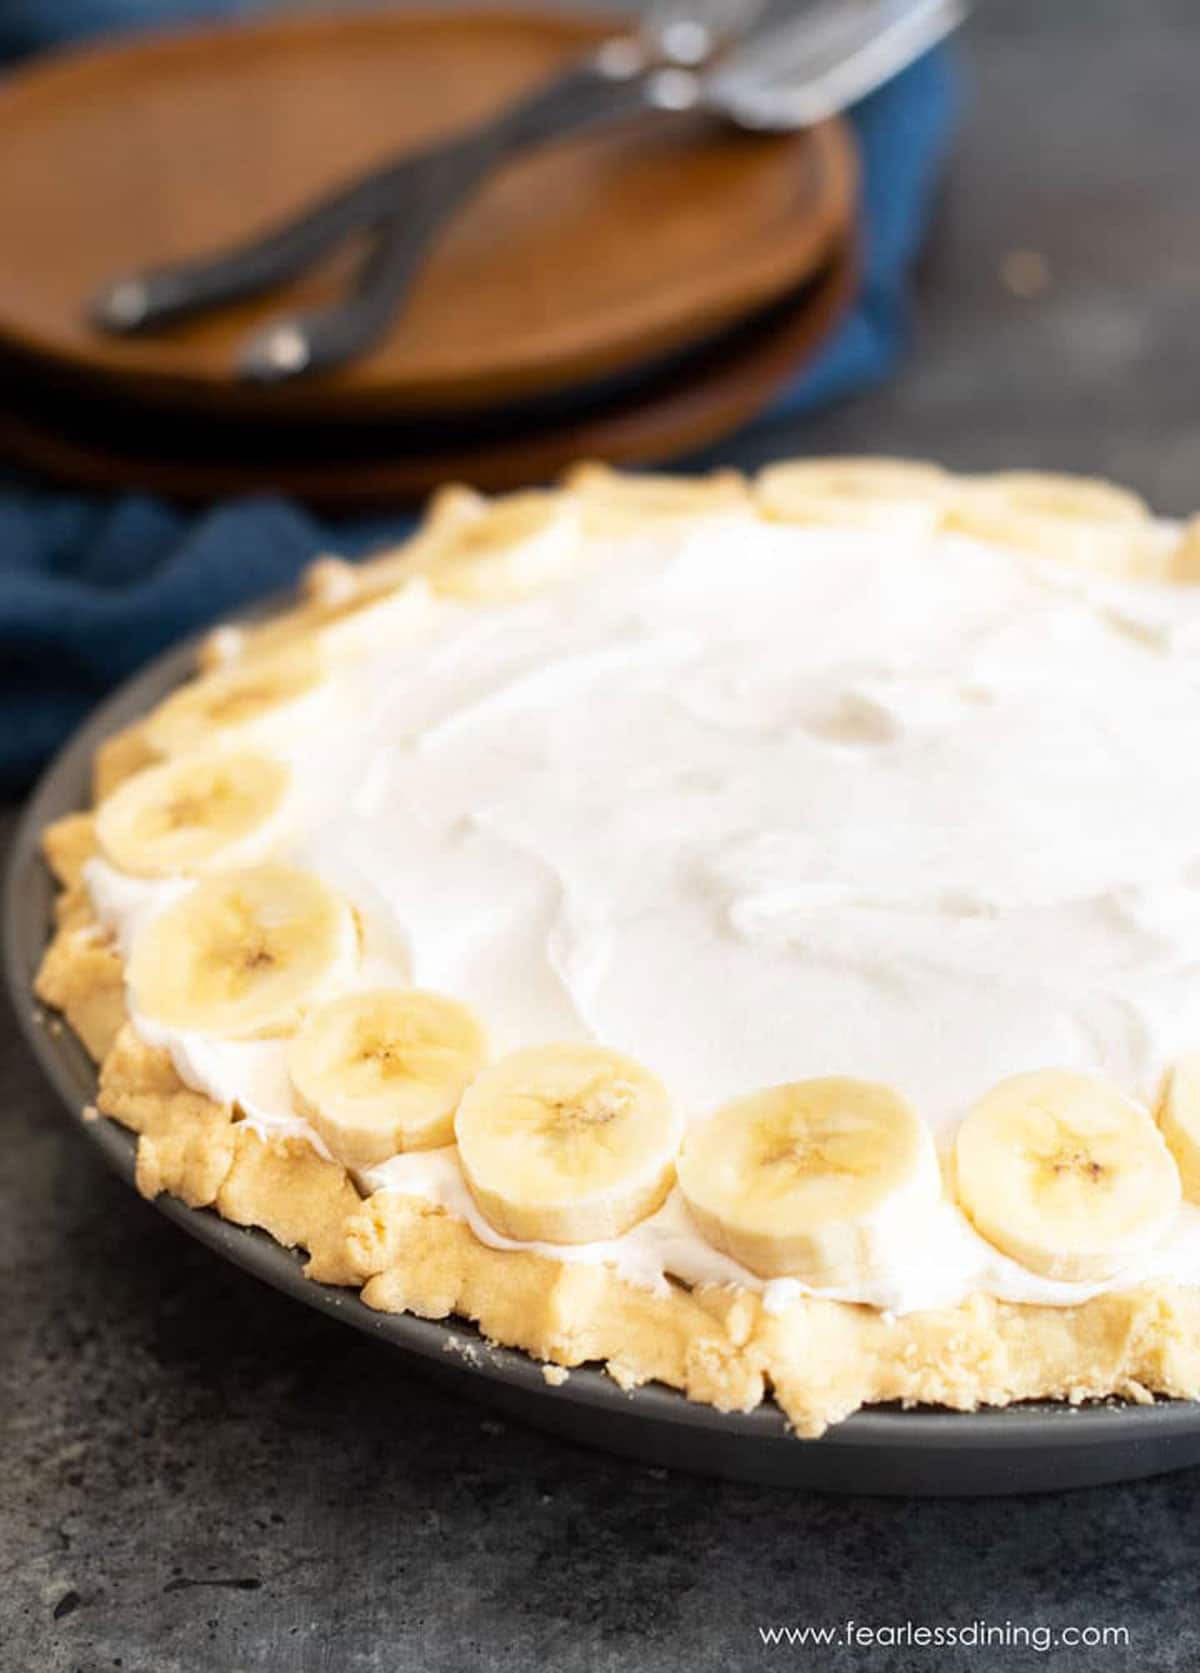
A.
x: 779, y: 77
x: 680, y: 33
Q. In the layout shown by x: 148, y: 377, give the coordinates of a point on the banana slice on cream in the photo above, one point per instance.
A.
x: 383, y: 1071
x: 1095, y: 525
x: 1179, y: 1122
x: 1182, y: 561
x: 244, y: 954
x: 899, y: 496
x: 232, y: 702
x: 1065, y: 1174
x: 817, y: 1180
x: 514, y: 546
x: 346, y: 624
x: 192, y: 813
x: 617, y: 503
x: 567, y: 1143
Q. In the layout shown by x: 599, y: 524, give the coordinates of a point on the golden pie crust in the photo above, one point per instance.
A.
x: 820, y: 1360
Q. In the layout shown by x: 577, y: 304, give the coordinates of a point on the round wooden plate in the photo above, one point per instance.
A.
x: 589, y: 256
x: 353, y: 467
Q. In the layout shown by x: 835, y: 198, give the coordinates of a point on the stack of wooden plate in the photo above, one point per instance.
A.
x: 629, y: 295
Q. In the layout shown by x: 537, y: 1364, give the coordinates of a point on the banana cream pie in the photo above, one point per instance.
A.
x: 743, y: 934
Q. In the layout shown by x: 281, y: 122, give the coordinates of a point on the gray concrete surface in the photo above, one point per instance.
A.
x: 198, y: 1476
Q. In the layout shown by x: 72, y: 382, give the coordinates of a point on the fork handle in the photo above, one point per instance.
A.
x: 163, y: 295
x: 331, y: 336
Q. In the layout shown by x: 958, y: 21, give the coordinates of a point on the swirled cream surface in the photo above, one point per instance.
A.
x: 761, y: 803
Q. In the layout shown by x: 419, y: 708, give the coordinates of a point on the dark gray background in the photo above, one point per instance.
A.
x: 196, y: 1474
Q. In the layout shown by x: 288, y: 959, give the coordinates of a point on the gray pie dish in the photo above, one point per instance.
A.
x: 1034, y: 1447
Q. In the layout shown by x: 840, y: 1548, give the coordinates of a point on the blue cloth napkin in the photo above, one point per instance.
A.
x: 91, y: 587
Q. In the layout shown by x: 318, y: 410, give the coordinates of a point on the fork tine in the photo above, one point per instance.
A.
x: 833, y: 54
x: 830, y: 31
x: 687, y: 30
x: 825, y: 29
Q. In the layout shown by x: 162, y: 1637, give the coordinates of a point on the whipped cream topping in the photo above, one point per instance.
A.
x: 757, y: 803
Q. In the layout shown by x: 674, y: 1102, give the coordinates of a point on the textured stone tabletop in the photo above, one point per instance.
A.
x: 198, y: 1475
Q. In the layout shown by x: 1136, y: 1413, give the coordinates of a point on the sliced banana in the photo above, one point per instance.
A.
x: 328, y: 587
x: 244, y: 954
x: 1179, y: 1122
x: 210, y: 808
x: 230, y: 701
x: 1078, y: 499
x: 383, y: 1071
x: 616, y: 503
x: 567, y: 1144
x: 1182, y: 562
x: 386, y: 590
x: 815, y: 1180
x: 1093, y: 524
x: 1064, y: 1173
x: 516, y: 545
x: 899, y: 496
x: 352, y: 624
